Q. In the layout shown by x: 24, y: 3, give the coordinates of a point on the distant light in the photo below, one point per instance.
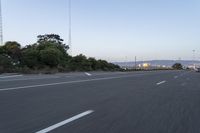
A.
x: 146, y: 65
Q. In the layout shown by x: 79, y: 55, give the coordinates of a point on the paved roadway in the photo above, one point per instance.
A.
x: 139, y: 102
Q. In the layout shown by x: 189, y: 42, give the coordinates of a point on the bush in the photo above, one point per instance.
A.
x: 30, y: 58
x: 177, y: 66
x: 50, y: 57
x: 5, y: 63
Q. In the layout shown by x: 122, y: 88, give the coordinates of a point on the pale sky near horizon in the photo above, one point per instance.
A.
x: 115, y: 30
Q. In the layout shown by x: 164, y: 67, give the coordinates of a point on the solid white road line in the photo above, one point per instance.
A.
x: 27, y: 78
x: 88, y: 74
x: 12, y: 76
x: 46, y: 130
x: 68, y: 82
x: 162, y: 82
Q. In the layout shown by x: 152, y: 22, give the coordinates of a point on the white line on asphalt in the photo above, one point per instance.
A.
x: 46, y: 130
x: 28, y: 78
x: 12, y: 76
x: 88, y: 74
x: 68, y: 82
x: 162, y: 82
x: 69, y: 76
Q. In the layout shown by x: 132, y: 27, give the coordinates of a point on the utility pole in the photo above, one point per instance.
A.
x: 135, y: 62
x: 1, y: 26
x: 126, y: 60
x: 70, y: 30
x: 194, y: 58
x: 193, y: 54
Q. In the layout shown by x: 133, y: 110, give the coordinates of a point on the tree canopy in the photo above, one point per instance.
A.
x: 50, y: 52
x: 177, y: 66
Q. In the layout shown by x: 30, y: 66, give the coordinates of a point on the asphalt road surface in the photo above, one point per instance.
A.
x: 98, y: 102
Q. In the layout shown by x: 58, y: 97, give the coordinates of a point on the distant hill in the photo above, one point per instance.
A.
x: 167, y: 63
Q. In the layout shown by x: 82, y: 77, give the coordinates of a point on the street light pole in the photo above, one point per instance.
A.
x: 194, y: 58
x: 135, y: 62
x: 1, y: 25
x: 70, y: 30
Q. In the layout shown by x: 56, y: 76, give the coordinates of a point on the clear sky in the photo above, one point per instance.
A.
x: 115, y: 30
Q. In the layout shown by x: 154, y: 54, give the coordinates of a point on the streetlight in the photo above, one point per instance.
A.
x: 194, y: 58
x: 1, y: 26
x: 70, y: 30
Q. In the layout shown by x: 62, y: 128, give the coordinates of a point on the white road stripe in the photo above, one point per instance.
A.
x: 27, y: 78
x: 88, y: 74
x: 46, y: 130
x: 162, y: 82
x: 12, y: 76
x: 68, y: 82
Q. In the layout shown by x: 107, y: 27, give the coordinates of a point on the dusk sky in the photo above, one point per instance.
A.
x: 115, y: 30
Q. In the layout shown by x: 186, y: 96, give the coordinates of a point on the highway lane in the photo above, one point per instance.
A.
x: 127, y: 104
x: 31, y: 80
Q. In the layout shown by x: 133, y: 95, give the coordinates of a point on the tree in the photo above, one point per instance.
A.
x: 2, y: 50
x: 30, y: 57
x: 177, y: 66
x: 80, y: 63
x: 93, y: 63
x: 52, y: 40
x: 50, y: 57
x: 49, y: 51
x: 5, y: 63
x: 13, y: 49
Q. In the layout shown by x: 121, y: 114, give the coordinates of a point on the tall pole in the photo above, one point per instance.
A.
x: 194, y: 58
x: 193, y: 54
x: 70, y: 30
x: 1, y: 26
x: 126, y: 59
x: 135, y: 62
